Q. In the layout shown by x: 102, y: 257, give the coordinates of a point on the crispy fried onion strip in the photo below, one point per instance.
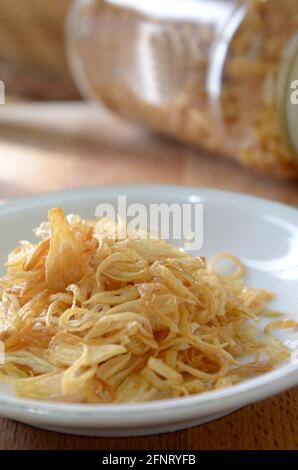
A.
x: 86, y: 316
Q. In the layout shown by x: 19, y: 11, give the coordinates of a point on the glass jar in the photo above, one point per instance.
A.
x: 219, y: 74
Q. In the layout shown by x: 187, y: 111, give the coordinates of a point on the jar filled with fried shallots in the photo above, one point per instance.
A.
x: 218, y: 74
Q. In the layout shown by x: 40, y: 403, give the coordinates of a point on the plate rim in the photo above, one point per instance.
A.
x: 37, y: 198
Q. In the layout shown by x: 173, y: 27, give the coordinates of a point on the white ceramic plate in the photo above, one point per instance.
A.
x: 263, y: 234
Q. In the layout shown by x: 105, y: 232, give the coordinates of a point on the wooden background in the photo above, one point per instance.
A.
x: 50, y: 147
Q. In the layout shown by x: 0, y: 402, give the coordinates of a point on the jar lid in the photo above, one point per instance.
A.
x: 289, y: 96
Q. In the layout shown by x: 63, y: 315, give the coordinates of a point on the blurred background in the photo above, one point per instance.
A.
x: 33, y: 62
x: 50, y: 138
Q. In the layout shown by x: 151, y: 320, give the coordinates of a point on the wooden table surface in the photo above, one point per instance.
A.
x: 57, y: 146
